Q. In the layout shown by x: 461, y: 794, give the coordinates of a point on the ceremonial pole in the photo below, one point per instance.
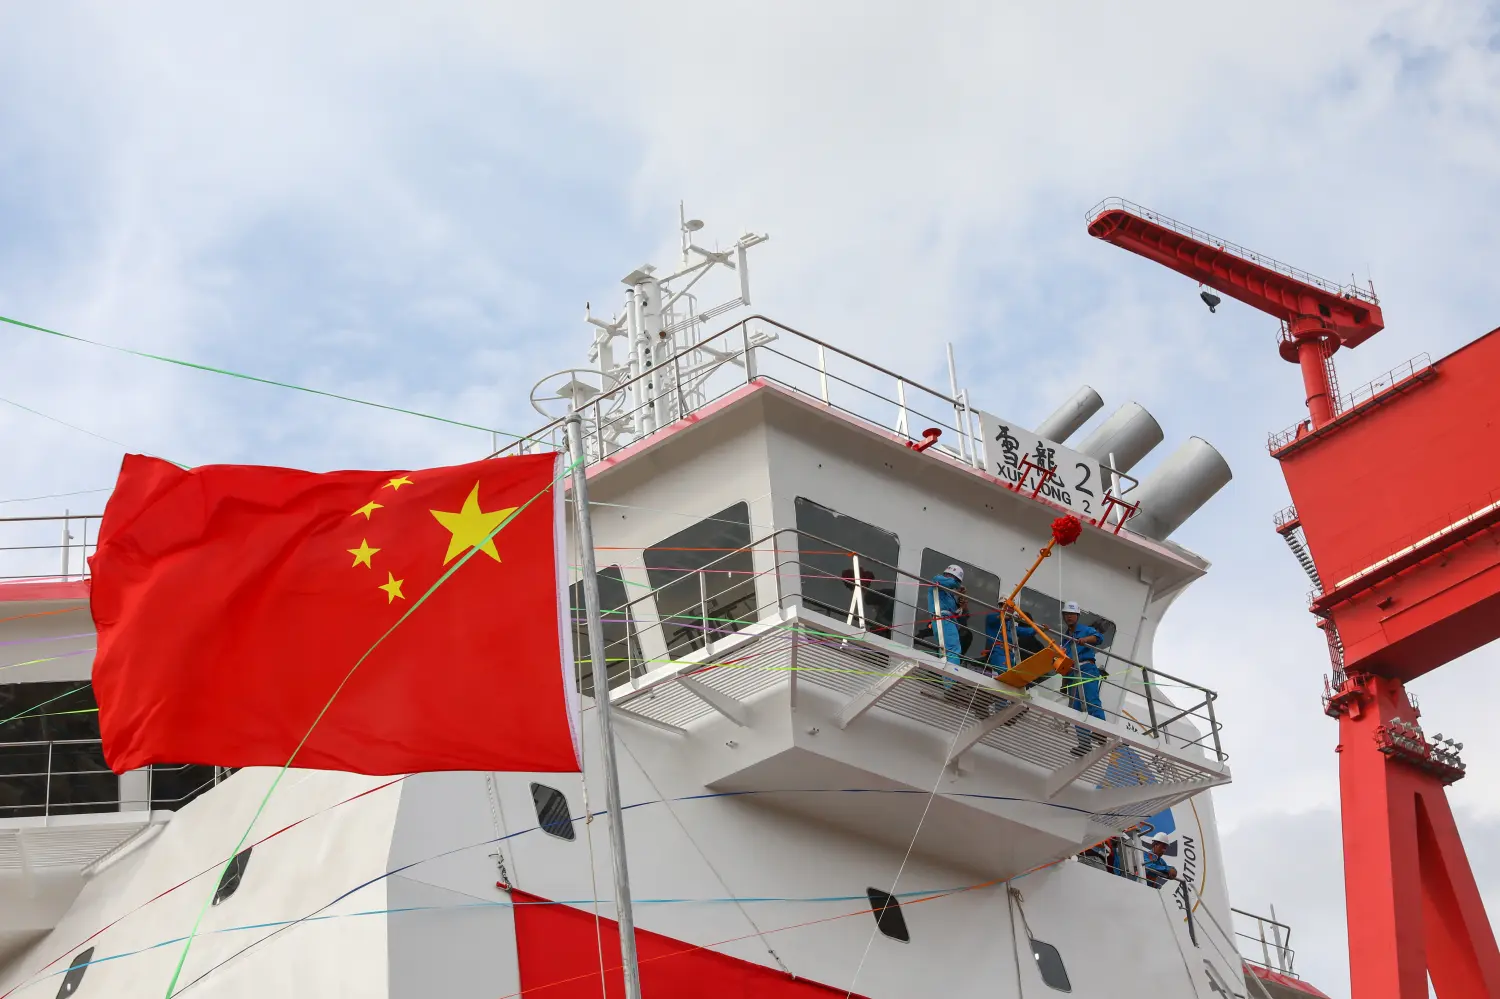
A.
x: 623, y: 910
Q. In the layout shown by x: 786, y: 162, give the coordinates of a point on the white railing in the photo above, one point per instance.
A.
x: 47, y: 549
x: 69, y: 777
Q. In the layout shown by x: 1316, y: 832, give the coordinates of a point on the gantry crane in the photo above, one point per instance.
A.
x: 1395, y: 516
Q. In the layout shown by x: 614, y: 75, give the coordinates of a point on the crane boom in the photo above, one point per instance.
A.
x: 1319, y: 315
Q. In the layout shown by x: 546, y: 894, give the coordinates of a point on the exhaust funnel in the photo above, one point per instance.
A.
x: 1129, y: 434
x: 1178, y: 487
x: 1071, y: 415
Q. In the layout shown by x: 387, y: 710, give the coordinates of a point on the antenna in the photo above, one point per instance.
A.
x: 660, y: 319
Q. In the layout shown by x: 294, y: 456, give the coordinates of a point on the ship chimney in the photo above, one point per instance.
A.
x: 1128, y: 435
x: 1071, y: 415
x: 1175, y: 490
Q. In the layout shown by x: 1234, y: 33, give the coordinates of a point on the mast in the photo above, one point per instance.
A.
x: 624, y: 913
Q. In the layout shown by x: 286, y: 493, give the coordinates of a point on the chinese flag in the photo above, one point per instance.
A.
x: 233, y: 601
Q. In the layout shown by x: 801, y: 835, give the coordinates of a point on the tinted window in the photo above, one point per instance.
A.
x: 76, y: 970
x: 826, y: 540
x: 552, y: 812
x: 979, y: 584
x: 621, y: 651
x: 1050, y: 963
x: 175, y: 784
x: 888, y: 915
x: 234, y: 874
x: 61, y: 721
x: 703, y: 580
x: 1047, y: 612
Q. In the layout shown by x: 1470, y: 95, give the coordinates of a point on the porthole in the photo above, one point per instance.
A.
x: 1050, y: 963
x: 234, y: 873
x: 74, y: 976
x: 888, y: 917
x: 552, y: 812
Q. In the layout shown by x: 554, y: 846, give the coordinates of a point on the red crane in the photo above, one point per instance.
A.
x: 1395, y: 521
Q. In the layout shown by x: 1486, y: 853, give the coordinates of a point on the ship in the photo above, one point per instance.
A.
x: 821, y: 792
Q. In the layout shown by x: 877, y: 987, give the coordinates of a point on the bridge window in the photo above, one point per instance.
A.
x: 552, y: 812
x: 77, y: 968
x: 982, y: 587
x: 51, y: 760
x: 825, y: 540
x: 704, y: 579
x: 621, y: 650
x: 234, y: 874
x: 888, y: 917
x: 1047, y: 612
x: 1050, y: 963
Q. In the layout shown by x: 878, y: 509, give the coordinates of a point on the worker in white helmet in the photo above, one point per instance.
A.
x: 1156, y: 868
x: 947, y: 602
x: 1079, y: 640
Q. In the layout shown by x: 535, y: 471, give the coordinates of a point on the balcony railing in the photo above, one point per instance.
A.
x: 69, y: 777
x: 705, y: 606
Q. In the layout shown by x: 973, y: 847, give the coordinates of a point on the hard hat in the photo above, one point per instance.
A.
x: 956, y: 571
x: 1071, y: 607
x: 1155, y: 838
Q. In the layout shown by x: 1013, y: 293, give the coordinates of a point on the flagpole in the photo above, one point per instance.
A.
x: 624, y: 913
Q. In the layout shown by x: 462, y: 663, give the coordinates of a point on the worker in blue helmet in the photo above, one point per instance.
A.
x: 947, y: 602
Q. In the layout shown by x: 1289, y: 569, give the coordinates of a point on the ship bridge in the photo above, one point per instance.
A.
x: 769, y: 511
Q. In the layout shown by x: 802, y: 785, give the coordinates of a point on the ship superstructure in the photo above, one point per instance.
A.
x: 817, y: 795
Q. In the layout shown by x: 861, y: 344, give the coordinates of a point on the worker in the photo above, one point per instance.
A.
x: 1156, y: 868
x: 1079, y: 640
x: 948, y: 603
x: 1002, y: 656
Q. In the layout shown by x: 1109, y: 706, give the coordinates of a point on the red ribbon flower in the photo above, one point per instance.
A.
x: 1066, y: 530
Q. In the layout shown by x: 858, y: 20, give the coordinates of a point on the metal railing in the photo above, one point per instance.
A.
x: 1275, y: 950
x: 1399, y: 375
x: 1350, y: 290
x: 761, y: 349
x: 756, y: 582
x: 40, y: 778
x: 47, y: 549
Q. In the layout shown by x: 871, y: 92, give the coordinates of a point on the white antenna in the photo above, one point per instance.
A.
x: 660, y: 318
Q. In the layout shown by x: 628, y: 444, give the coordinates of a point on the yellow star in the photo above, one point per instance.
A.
x: 396, y: 483
x: 362, y: 554
x: 367, y: 509
x: 392, y: 588
x: 471, y: 527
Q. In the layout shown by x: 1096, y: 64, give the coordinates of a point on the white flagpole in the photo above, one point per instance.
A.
x: 626, y: 916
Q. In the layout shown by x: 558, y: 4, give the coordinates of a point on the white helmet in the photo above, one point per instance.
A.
x: 1160, y: 837
x: 1071, y: 607
x: 956, y: 571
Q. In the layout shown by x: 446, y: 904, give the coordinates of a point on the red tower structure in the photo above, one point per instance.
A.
x: 1404, y: 556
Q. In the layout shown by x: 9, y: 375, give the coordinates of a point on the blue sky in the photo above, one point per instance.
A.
x: 412, y: 206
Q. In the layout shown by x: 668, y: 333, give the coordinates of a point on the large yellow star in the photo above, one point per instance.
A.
x: 362, y: 554
x: 392, y: 588
x: 471, y: 527
x: 396, y: 483
x: 367, y: 509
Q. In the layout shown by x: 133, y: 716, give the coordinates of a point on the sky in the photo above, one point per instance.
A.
x: 411, y: 205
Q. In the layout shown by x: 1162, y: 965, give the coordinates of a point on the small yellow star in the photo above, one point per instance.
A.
x: 392, y: 588
x: 396, y: 483
x: 362, y: 554
x: 367, y: 509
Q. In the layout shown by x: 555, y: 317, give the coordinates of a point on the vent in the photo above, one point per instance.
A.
x: 552, y: 812
x: 888, y: 915
x: 74, y: 977
x: 229, y: 881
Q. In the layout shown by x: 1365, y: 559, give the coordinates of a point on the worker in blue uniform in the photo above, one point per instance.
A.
x: 1082, y: 685
x: 1155, y: 867
x: 947, y: 604
x: 996, y: 653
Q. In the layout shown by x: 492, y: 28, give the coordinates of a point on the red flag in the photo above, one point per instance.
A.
x: 232, y: 600
x: 558, y: 949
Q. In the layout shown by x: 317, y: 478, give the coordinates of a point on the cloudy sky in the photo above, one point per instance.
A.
x: 410, y: 203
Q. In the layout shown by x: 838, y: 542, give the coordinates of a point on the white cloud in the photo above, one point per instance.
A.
x: 410, y: 204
